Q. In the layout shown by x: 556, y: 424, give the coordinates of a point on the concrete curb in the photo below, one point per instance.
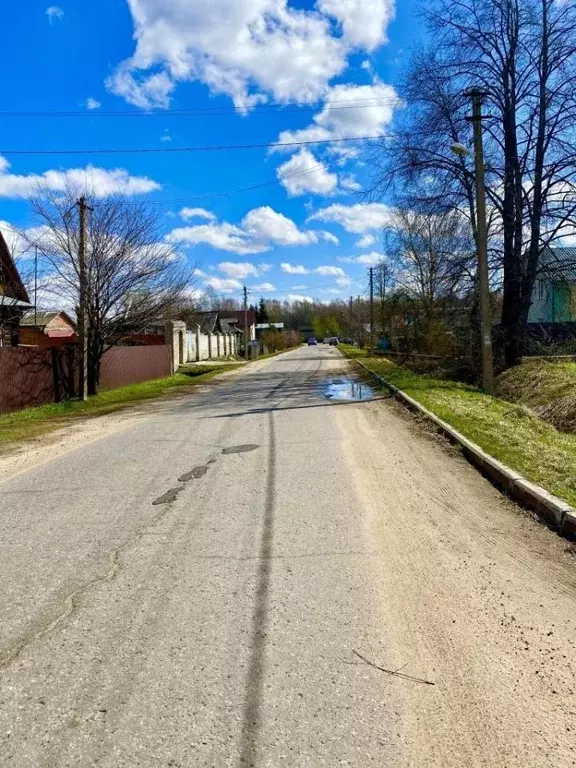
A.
x: 556, y: 512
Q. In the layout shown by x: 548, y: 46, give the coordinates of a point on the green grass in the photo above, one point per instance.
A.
x: 548, y: 388
x: 508, y: 431
x: 33, y: 422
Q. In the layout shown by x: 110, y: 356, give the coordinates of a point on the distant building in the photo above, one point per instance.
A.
x: 47, y: 329
x: 554, y: 295
x: 14, y: 300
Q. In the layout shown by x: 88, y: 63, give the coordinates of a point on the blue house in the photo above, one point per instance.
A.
x: 554, y: 296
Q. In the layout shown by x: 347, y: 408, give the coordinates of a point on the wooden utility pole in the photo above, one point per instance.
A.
x: 82, y: 308
x: 35, y: 292
x: 371, y: 308
x: 351, y: 319
x: 482, y: 246
x: 245, y: 323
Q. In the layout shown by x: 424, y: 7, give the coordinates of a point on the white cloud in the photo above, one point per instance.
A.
x: 328, y: 270
x: 348, y: 183
x: 196, y: 213
x: 54, y: 12
x: 368, y: 259
x: 258, y: 231
x: 98, y: 181
x: 266, y: 224
x: 293, y: 269
x: 224, y: 237
x: 246, y: 49
x: 364, y: 22
x: 369, y: 109
x: 344, y: 282
x: 298, y: 297
x: 304, y: 173
x: 299, y: 288
x: 264, y: 267
x: 358, y: 218
x: 266, y: 287
x: 238, y: 269
x: 329, y: 237
x: 331, y: 290
x: 223, y: 285
x: 165, y: 137
x: 365, y: 241
x: 92, y: 103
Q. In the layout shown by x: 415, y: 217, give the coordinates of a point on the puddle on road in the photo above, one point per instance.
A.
x: 347, y: 389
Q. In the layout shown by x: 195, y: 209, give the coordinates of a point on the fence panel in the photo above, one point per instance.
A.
x: 32, y: 376
x: 131, y: 365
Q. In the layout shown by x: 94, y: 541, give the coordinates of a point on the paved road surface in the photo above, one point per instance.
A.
x: 221, y: 626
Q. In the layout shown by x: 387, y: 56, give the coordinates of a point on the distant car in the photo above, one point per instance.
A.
x: 312, y: 342
x: 326, y: 340
x: 333, y: 341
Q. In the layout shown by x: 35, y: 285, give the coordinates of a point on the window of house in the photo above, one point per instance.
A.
x: 540, y: 289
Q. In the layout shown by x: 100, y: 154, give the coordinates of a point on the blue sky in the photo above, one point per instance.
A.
x: 263, y: 71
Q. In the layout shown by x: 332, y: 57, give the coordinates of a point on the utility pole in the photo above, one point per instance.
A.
x: 35, y: 291
x: 482, y: 246
x: 371, y: 309
x: 82, y: 308
x: 351, y: 319
x: 245, y: 323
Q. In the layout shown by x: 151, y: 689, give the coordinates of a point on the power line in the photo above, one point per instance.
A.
x: 172, y: 150
x: 212, y: 195
x: 365, y: 103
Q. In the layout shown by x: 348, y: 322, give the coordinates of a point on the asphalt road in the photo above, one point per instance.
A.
x: 231, y: 578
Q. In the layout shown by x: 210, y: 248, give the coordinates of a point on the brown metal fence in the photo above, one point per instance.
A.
x: 132, y: 365
x: 31, y: 376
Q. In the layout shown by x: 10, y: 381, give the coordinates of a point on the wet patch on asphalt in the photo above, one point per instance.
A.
x: 240, y: 448
x: 168, y: 497
x: 347, y: 389
x: 194, y: 474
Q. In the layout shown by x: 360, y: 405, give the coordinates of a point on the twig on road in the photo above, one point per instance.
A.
x: 396, y: 673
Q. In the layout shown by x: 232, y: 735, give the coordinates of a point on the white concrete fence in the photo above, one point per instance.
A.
x: 191, y: 346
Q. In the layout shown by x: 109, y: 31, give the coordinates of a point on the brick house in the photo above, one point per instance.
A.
x: 14, y: 300
x: 47, y: 329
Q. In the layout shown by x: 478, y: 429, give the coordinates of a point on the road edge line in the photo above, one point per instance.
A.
x: 558, y: 513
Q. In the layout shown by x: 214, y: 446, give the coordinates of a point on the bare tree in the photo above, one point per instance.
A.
x: 134, y: 277
x: 432, y: 256
x: 522, y: 53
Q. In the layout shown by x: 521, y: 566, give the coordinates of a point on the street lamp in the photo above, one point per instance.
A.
x: 460, y: 149
x: 481, y: 241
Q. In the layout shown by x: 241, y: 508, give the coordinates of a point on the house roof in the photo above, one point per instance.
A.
x: 227, y: 327
x: 11, y: 284
x: 41, y: 319
x: 237, y: 316
x: 206, y: 321
x: 558, y: 263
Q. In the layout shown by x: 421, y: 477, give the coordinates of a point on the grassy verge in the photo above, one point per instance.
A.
x: 547, y: 388
x: 33, y: 422
x: 505, y: 430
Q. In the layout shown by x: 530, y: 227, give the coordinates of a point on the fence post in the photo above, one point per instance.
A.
x: 175, y: 334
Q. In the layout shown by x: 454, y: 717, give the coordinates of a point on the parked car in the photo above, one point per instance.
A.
x: 333, y: 341
x: 326, y: 340
x: 312, y: 342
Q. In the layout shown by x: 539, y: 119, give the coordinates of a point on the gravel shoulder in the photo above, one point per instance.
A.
x: 477, y: 596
